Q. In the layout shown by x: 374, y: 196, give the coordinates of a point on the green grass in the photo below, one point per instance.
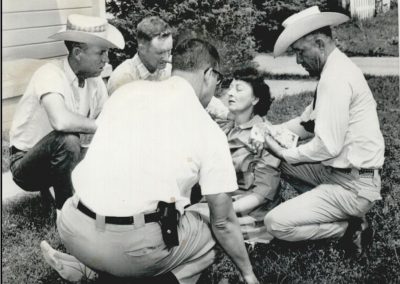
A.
x: 25, y: 225
x: 373, y: 37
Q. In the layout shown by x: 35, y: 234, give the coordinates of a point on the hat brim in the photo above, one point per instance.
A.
x: 305, y: 26
x: 112, y: 39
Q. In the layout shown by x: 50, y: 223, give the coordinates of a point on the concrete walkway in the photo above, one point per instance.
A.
x: 377, y: 66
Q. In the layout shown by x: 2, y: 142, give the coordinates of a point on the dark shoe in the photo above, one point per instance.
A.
x: 358, y: 237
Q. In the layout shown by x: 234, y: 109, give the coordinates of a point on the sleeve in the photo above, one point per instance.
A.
x: 267, y: 176
x: 295, y: 126
x: 217, y: 173
x: 331, y: 123
x: 217, y: 109
x: 48, y: 79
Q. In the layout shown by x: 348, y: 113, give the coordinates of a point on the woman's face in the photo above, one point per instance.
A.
x: 240, y: 97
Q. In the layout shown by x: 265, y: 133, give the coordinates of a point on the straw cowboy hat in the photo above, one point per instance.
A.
x: 92, y: 30
x: 303, y: 23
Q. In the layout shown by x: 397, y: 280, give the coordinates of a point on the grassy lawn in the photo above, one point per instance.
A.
x: 373, y: 37
x: 24, y: 224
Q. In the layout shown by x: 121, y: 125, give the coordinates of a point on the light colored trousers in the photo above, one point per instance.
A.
x: 322, y: 211
x: 129, y: 251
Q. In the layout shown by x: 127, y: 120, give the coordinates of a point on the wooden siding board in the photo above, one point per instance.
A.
x: 40, y: 19
x: 42, y: 50
x: 29, y: 36
x: 11, y: 6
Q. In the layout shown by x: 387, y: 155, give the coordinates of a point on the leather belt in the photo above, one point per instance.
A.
x: 369, y: 172
x: 148, y: 218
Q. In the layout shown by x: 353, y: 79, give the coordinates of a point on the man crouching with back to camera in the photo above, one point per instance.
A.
x: 154, y: 141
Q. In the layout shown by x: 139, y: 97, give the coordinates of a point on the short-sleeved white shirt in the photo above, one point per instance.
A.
x: 31, y: 123
x: 154, y: 141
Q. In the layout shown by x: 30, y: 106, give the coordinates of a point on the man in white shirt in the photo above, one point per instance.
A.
x: 152, y: 61
x: 343, y: 159
x: 154, y: 141
x: 62, y: 100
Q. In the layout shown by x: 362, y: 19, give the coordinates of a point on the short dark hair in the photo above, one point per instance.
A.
x: 260, y: 89
x: 71, y: 44
x: 194, y: 54
x: 151, y: 27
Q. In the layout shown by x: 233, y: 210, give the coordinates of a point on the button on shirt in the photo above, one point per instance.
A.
x: 133, y: 70
x: 347, y: 133
x: 31, y: 123
x: 154, y: 141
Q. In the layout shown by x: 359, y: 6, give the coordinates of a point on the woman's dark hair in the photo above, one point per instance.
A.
x: 260, y: 88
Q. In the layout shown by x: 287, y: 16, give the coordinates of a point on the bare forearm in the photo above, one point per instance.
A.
x: 226, y: 229
x: 76, y: 123
x: 248, y: 203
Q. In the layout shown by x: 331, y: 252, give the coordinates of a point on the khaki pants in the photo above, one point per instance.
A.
x: 322, y: 211
x: 129, y: 251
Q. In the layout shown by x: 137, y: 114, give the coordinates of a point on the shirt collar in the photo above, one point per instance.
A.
x: 71, y: 76
x: 249, y: 124
x: 144, y: 73
x: 331, y: 58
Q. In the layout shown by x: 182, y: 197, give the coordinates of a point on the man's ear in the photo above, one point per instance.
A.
x: 76, y: 52
x: 208, y: 75
x: 320, y: 43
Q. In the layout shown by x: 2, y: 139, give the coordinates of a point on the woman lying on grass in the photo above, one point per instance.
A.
x: 258, y: 175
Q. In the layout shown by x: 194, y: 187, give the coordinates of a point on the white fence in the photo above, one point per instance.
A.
x: 362, y: 9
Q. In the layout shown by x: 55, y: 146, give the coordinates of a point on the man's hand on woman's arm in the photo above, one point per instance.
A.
x: 226, y: 229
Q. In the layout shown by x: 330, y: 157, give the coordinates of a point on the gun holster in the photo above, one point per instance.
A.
x: 169, y: 218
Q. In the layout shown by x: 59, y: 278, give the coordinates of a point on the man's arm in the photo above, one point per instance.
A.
x: 331, y: 124
x: 62, y: 119
x: 226, y: 229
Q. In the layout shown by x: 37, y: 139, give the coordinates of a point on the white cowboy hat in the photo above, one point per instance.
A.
x: 92, y: 30
x: 303, y: 23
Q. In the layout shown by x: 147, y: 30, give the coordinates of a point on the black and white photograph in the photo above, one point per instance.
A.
x: 200, y: 141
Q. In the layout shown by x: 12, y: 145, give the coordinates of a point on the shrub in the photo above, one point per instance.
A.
x: 269, y: 27
x: 228, y: 24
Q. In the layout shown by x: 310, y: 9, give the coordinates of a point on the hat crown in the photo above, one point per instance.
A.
x: 89, y: 24
x: 300, y: 15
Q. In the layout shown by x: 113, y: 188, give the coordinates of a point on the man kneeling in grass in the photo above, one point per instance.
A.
x: 62, y: 100
x: 342, y: 161
x: 154, y: 141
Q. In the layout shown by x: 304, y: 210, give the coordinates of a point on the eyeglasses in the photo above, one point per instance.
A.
x: 220, y: 76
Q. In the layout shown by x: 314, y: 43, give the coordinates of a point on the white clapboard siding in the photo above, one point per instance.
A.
x: 26, y: 27
x: 362, y: 9
x: 12, y: 6
x: 23, y: 20
x: 38, y: 51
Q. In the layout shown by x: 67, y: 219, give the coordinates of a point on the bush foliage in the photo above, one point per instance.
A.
x: 227, y: 24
